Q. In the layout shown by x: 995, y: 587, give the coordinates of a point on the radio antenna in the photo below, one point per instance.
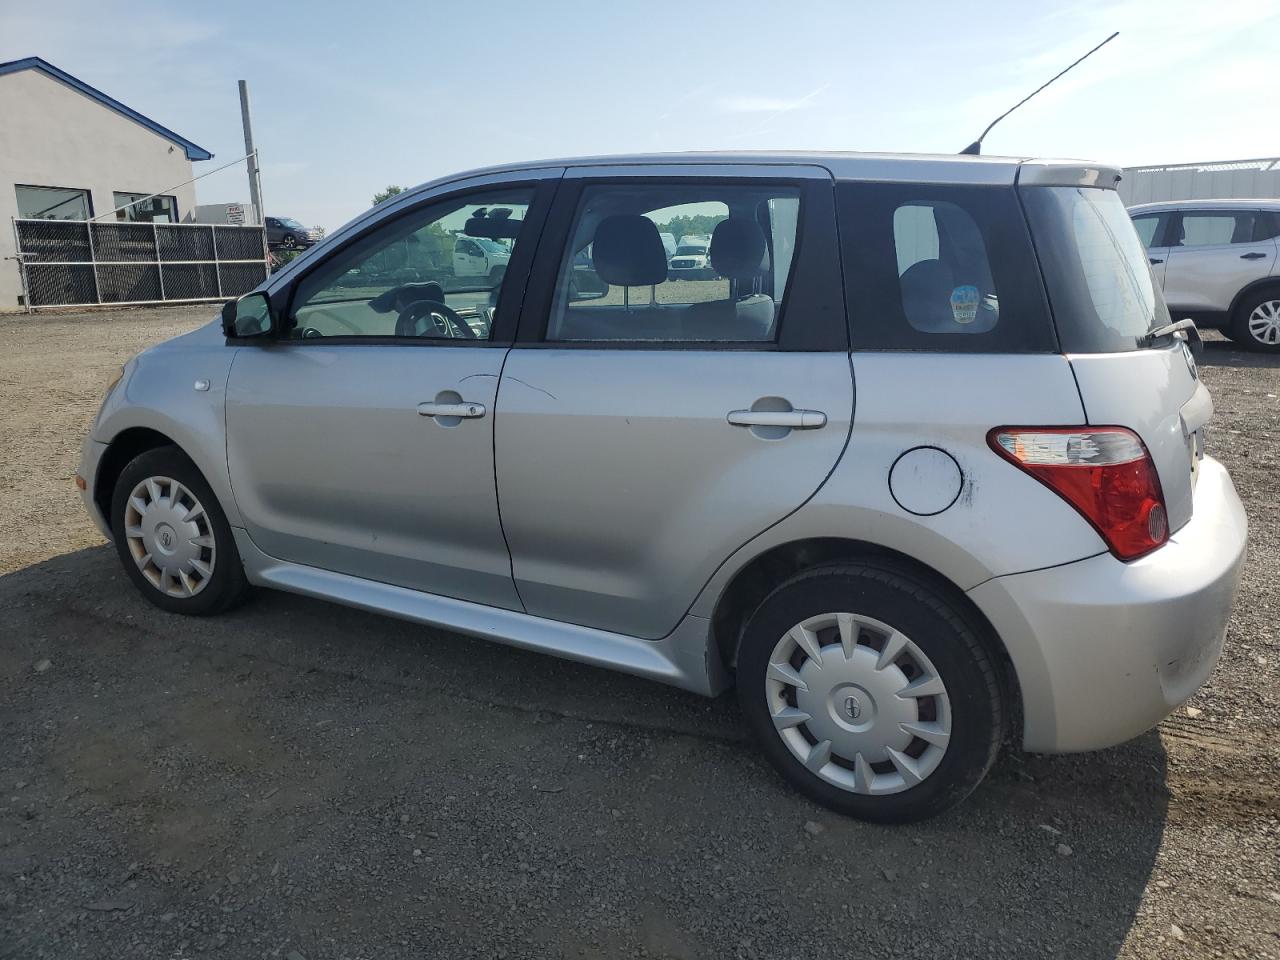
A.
x: 975, y: 148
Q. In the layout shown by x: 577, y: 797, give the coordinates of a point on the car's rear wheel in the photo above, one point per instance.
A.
x: 172, y: 536
x: 1256, y: 324
x: 870, y: 692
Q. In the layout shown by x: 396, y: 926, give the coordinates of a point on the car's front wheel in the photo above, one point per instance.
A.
x: 870, y: 692
x: 172, y: 536
x: 1256, y: 324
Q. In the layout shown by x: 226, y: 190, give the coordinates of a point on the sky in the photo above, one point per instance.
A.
x: 348, y: 98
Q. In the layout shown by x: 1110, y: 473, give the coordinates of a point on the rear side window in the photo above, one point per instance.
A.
x: 1214, y: 229
x: 1267, y: 227
x: 1095, y: 269
x: 940, y: 268
x: 726, y: 281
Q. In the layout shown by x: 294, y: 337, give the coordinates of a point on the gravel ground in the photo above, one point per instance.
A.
x: 301, y: 780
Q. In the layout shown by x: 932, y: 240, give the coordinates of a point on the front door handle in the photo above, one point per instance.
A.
x: 463, y: 410
x: 793, y: 419
x: 1154, y: 260
x: 1252, y: 256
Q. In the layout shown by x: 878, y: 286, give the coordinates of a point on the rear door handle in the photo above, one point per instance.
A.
x: 1154, y: 260
x: 1252, y: 256
x: 464, y: 410
x: 795, y: 419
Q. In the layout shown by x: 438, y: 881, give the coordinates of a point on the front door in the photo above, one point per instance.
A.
x: 1151, y: 231
x: 647, y: 427
x: 360, y: 440
x: 1214, y: 255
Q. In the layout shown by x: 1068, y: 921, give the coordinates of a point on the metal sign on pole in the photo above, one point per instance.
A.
x: 255, y: 173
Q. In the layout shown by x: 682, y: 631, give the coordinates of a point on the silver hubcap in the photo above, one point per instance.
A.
x: 858, y: 703
x: 169, y: 537
x: 1264, y: 322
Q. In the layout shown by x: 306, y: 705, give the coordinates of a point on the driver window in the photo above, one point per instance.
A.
x: 435, y: 273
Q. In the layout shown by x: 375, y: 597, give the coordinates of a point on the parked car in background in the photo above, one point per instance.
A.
x: 669, y: 244
x: 289, y: 233
x: 1018, y: 535
x: 480, y: 257
x: 692, y: 260
x: 1216, y: 261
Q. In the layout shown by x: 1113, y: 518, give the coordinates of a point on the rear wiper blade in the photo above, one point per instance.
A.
x: 1186, y: 327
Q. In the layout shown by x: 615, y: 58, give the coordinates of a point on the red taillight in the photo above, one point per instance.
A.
x: 1104, y: 472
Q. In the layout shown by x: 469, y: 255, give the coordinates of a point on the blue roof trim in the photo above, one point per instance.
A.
x: 194, y: 151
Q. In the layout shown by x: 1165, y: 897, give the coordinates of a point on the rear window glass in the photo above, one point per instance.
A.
x: 1095, y: 268
x: 940, y: 268
x: 726, y: 282
x: 1214, y: 229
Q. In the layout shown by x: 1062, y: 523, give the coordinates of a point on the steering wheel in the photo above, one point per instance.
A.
x: 443, y: 319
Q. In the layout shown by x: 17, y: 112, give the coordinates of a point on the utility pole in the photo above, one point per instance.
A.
x: 255, y: 173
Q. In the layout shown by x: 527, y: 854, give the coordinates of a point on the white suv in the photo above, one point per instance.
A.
x: 922, y: 470
x: 1217, y: 263
x: 692, y: 260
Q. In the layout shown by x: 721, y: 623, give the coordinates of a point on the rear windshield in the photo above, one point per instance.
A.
x: 1095, y: 269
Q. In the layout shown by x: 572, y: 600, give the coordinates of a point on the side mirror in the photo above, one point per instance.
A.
x: 250, y: 316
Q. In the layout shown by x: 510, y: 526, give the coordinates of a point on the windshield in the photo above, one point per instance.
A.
x: 290, y: 222
x: 491, y: 246
x: 1095, y: 268
x: 690, y: 251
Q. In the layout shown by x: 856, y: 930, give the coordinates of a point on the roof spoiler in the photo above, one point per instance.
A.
x: 1067, y: 173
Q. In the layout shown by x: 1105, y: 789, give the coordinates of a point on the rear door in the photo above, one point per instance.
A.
x: 648, y: 427
x: 1214, y: 254
x: 1103, y: 303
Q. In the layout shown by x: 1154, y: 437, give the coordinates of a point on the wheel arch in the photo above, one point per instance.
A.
x: 1271, y: 283
x: 758, y: 577
x: 123, y: 448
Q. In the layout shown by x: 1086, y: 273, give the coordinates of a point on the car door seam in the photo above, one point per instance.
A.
x: 497, y: 495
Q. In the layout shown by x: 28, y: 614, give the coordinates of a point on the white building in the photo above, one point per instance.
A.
x: 1212, y: 180
x: 70, y: 152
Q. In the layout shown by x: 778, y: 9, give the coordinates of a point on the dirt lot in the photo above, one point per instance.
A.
x: 302, y: 780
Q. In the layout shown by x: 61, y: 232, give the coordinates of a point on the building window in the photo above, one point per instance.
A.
x: 53, y: 203
x: 138, y: 208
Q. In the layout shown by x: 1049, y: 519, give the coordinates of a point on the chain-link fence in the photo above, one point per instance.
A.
x: 81, y: 263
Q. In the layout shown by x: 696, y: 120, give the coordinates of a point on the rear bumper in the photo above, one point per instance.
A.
x: 1104, y: 650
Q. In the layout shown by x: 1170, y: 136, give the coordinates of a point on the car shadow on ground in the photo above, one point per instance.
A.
x: 297, y: 775
x: 1224, y: 353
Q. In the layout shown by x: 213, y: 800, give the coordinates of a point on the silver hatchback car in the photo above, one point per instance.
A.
x: 919, y: 465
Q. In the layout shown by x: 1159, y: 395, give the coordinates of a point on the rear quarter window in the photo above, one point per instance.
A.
x: 939, y: 268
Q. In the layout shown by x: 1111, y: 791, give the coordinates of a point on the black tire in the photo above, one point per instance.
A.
x: 496, y: 274
x: 226, y: 586
x: 935, y: 624
x: 1238, y: 329
x: 289, y: 242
